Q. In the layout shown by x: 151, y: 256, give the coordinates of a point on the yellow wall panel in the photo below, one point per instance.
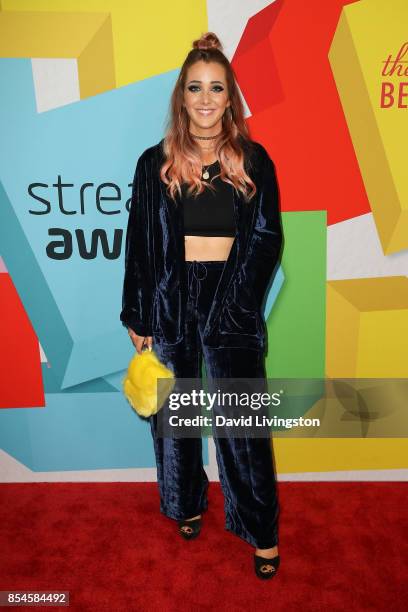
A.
x: 369, y: 32
x: 148, y: 37
x: 367, y: 327
x: 337, y: 454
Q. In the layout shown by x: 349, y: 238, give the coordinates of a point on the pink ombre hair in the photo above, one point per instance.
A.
x: 183, y: 163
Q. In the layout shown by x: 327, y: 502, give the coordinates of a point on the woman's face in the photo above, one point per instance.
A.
x: 206, y: 89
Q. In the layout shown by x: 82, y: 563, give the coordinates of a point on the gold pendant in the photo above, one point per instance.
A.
x: 206, y: 175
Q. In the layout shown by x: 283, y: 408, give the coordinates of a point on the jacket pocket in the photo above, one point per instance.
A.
x: 166, y: 322
x: 241, y: 315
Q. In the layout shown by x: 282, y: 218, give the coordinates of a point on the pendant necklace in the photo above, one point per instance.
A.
x: 205, y: 175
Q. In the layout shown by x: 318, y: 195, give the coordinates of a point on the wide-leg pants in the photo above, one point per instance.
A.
x: 245, y: 464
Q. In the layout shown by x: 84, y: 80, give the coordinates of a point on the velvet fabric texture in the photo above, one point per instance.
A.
x: 154, y: 290
x: 245, y: 465
x: 228, y: 330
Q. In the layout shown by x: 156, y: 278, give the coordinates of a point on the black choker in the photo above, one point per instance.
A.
x: 205, y: 137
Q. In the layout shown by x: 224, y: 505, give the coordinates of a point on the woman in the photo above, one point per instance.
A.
x: 203, y: 240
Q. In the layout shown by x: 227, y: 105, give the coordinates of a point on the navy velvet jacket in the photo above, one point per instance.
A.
x: 154, y: 288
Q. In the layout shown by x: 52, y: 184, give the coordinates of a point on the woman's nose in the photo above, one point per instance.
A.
x: 205, y: 97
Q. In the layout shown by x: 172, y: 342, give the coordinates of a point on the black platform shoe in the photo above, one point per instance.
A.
x: 266, y: 568
x: 190, y: 529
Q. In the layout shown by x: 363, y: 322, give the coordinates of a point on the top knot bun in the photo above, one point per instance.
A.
x: 209, y: 40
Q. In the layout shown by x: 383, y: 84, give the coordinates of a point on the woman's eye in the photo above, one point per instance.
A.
x: 194, y: 88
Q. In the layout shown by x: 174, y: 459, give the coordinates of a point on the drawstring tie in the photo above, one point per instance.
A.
x: 198, y: 271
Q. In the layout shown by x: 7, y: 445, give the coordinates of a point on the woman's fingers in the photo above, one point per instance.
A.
x: 139, y: 341
x: 146, y: 341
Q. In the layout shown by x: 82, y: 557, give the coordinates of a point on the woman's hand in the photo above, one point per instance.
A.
x: 139, y: 341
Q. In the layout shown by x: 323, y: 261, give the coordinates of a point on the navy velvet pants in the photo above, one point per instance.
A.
x: 245, y: 465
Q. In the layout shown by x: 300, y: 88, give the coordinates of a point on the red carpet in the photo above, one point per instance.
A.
x: 343, y: 546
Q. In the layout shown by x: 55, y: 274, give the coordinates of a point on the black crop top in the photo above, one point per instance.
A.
x: 210, y: 213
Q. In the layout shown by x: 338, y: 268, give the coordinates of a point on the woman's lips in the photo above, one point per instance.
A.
x: 205, y: 112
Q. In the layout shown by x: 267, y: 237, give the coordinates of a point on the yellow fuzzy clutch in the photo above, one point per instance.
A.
x: 140, y: 383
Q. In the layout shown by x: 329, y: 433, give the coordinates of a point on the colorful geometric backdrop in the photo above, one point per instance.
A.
x: 85, y: 89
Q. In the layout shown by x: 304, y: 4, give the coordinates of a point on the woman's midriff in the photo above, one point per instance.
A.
x: 207, y: 248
